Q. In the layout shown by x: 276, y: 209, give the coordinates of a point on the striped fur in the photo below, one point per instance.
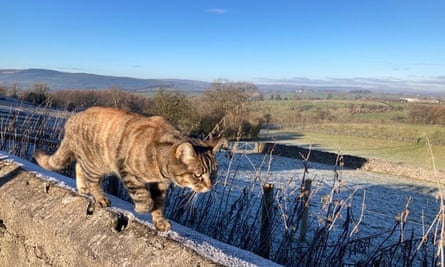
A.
x: 147, y: 153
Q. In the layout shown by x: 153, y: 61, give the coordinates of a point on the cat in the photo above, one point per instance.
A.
x: 146, y: 153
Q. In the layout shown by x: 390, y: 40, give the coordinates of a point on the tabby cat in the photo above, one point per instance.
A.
x: 147, y: 153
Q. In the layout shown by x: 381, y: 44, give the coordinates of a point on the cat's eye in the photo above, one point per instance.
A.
x: 198, y: 176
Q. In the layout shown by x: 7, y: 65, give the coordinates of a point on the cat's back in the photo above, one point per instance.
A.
x: 111, y: 124
x: 98, y: 120
x: 107, y: 135
x: 101, y: 115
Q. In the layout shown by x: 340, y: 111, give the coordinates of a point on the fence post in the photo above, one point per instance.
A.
x: 306, y: 191
x: 266, y: 221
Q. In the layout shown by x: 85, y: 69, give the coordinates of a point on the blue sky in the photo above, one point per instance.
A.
x: 398, y: 42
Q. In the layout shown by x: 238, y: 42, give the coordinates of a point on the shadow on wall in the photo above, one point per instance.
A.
x: 330, y: 158
x: 8, y: 172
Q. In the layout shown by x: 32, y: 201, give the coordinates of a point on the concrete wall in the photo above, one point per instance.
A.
x: 324, y: 157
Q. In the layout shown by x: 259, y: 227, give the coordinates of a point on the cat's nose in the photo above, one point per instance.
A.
x: 205, y: 188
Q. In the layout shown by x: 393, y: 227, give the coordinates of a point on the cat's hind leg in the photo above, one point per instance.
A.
x: 81, y: 180
x: 91, y: 184
x: 95, y: 188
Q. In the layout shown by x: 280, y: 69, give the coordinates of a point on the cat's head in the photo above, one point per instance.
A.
x: 194, y: 165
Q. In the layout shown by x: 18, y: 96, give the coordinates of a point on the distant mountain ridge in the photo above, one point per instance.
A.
x: 58, y: 80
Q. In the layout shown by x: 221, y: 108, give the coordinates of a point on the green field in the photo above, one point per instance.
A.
x: 414, y: 154
x: 368, y: 128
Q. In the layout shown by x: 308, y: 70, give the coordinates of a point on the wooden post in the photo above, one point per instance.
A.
x: 266, y: 221
x: 306, y: 191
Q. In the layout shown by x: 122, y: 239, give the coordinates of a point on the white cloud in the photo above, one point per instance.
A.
x: 218, y: 11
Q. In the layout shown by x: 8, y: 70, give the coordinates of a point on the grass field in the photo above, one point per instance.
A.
x: 372, y: 128
x: 410, y: 153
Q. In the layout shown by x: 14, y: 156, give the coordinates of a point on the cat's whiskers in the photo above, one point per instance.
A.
x: 192, y: 199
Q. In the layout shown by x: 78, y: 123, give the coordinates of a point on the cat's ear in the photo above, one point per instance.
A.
x: 217, y: 144
x: 185, y: 152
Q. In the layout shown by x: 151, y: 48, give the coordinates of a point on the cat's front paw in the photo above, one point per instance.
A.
x: 162, y: 224
x: 144, y: 207
x: 102, y: 202
x: 97, y: 203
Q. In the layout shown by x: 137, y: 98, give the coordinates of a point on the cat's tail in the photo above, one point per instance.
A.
x: 57, y: 161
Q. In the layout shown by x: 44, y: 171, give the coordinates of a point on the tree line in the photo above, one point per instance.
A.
x: 221, y: 110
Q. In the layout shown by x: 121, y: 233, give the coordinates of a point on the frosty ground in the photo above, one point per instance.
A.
x: 385, y: 195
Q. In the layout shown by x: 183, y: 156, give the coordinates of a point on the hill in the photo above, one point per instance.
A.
x: 57, y: 80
